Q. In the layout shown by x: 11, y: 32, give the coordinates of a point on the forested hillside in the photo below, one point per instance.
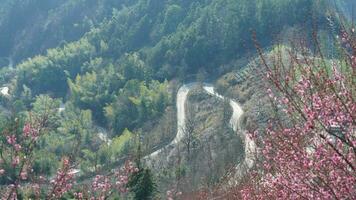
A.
x: 151, y: 40
x: 96, y: 83
x: 30, y: 27
x: 116, y: 69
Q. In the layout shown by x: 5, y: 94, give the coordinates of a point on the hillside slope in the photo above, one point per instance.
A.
x: 30, y: 27
x: 116, y: 67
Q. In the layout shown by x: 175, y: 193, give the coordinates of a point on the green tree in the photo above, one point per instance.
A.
x: 142, y: 185
x: 136, y: 103
x: 133, y: 67
x: 46, y: 108
x: 93, y: 91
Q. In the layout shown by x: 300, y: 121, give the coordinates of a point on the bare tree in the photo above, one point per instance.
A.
x: 189, y: 134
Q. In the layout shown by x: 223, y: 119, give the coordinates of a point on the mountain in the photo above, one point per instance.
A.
x: 106, y: 74
x: 30, y: 27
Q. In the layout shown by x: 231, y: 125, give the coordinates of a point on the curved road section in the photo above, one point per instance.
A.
x: 181, y: 98
x: 234, y: 123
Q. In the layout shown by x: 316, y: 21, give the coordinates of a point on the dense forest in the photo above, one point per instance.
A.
x: 148, y: 40
x: 97, y: 83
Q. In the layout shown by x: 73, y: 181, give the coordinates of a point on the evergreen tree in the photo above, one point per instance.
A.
x: 142, y: 185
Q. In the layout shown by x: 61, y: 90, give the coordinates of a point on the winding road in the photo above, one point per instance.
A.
x: 234, y: 123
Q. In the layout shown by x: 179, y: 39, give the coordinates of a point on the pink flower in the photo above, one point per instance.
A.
x: 17, y: 147
x: 27, y: 130
x: 11, y: 139
x: 307, y: 160
x: 23, y: 175
x: 285, y: 100
x: 2, y: 171
x: 65, y: 162
x: 78, y: 195
x: 63, y: 180
x: 15, y: 161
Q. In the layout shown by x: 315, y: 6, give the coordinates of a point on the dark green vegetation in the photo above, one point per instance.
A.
x: 143, y: 185
x: 30, y: 27
x: 113, y: 62
x: 145, y: 41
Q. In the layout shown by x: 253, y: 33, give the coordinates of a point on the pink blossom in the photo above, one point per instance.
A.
x: 15, y: 161
x: 313, y: 155
x: 285, y: 100
x: 79, y: 195
x: 30, y: 131
x: 23, y: 175
x: 27, y: 130
x: 63, y: 180
x: 17, y: 147
x: 11, y: 139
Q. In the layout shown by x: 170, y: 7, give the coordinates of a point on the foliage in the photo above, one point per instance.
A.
x: 22, y: 174
x: 48, y: 24
x: 49, y: 73
x: 150, y: 40
x: 136, y: 103
x: 142, y: 185
x: 45, y: 106
x: 119, y: 144
x: 93, y: 91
